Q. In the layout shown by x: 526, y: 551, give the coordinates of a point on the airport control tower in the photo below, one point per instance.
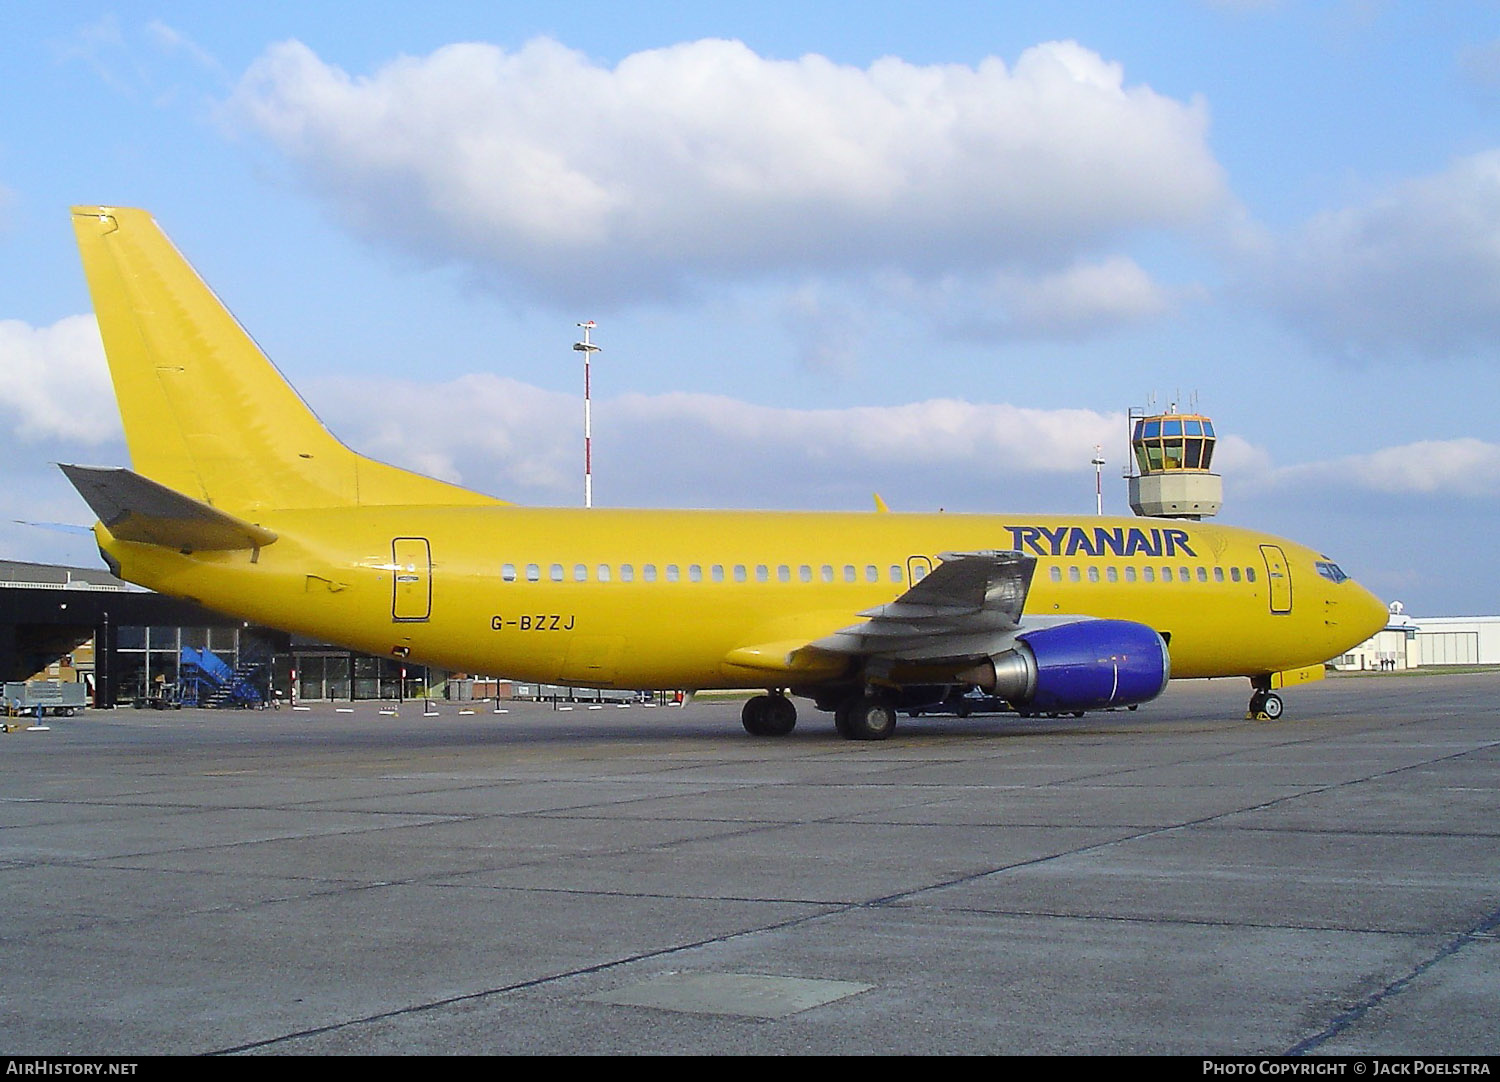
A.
x: 1169, y: 473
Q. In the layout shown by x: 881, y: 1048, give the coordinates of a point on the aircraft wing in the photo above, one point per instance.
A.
x: 967, y: 607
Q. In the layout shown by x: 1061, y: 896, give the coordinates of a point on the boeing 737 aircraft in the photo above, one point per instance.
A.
x: 239, y: 499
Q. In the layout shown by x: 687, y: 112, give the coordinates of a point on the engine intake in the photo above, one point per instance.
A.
x: 1084, y: 666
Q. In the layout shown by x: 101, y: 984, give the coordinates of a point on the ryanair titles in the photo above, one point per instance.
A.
x: 1099, y: 541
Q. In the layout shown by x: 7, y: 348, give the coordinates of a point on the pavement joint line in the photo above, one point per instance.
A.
x: 1484, y: 930
x: 516, y: 986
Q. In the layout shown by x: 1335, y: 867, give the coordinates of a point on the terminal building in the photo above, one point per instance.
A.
x: 1408, y: 643
x: 132, y: 646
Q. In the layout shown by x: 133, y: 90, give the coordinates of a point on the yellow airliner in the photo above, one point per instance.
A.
x: 242, y: 501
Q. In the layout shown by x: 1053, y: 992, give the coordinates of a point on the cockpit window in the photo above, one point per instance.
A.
x: 1331, y: 571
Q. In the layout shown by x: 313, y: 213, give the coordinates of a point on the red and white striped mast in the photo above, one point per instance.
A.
x: 588, y: 349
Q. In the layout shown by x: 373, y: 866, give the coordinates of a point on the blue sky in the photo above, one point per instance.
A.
x: 931, y: 250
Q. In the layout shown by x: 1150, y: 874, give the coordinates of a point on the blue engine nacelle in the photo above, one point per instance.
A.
x: 1089, y: 665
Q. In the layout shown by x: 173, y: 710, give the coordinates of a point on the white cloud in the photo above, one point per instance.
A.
x: 1082, y: 300
x: 523, y: 443
x: 56, y: 381
x: 679, y: 449
x: 1413, y: 272
x: 1116, y: 290
x: 173, y: 41
x: 704, y: 159
x: 1465, y: 468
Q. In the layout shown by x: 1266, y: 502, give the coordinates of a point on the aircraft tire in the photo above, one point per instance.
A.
x: 783, y: 715
x: 1265, y: 706
x: 768, y: 715
x: 753, y: 715
x: 866, y: 718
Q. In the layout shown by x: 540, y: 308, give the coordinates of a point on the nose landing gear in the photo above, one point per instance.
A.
x: 1264, y: 706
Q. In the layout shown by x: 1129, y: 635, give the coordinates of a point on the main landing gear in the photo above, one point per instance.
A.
x: 865, y: 716
x: 769, y: 715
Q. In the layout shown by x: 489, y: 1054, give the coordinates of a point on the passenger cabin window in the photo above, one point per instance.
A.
x: 648, y: 572
x: 740, y: 574
x: 533, y: 573
x: 507, y: 572
x: 717, y: 572
x: 1056, y: 573
x: 804, y: 573
x: 827, y: 572
x: 695, y: 573
x: 627, y: 572
x: 580, y: 573
x: 783, y: 573
x: 849, y: 574
x: 762, y: 573
x: 557, y: 572
x: 872, y: 573
x: 603, y: 572
x: 671, y: 572
x: 1234, y: 574
x: 897, y: 575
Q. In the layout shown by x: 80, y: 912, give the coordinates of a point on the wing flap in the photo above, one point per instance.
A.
x: 969, y: 605
x: 135, y: 508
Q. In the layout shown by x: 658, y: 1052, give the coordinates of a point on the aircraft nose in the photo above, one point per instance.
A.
x: 1369, y: 612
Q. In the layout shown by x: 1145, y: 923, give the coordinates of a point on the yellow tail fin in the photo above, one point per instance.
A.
x: 205, y: 411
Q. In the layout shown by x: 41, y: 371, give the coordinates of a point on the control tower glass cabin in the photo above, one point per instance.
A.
x: 1173, y: 453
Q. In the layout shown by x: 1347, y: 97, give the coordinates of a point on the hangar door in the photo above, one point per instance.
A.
x: 411, y: 579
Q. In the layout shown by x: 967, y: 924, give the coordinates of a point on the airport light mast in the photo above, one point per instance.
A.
x: 1098, y: 461
x: 588, y: 349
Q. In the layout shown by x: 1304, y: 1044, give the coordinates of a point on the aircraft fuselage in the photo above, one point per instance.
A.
x: 663, y: 598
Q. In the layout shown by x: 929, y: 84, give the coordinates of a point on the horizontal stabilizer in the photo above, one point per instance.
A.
x: 135, y: 508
